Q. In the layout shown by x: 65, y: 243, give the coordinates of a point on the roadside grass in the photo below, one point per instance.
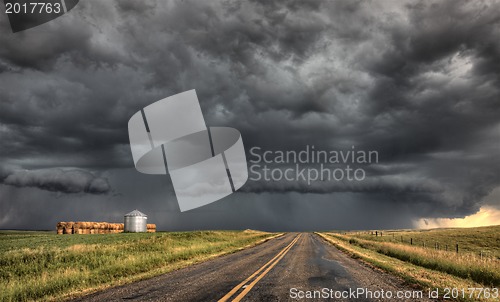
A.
x: 466, y: 265
x: 411, y: 270
x: 42, y: 266
x: 481, y: 241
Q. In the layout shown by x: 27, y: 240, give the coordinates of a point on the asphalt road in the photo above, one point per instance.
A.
x: 287, y: 268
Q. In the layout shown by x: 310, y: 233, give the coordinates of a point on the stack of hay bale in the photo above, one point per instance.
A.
x: 85, y: 227
x: 151, y: 228
x: 68, y: 227
x: 60, y: 227
x: 117, y: 227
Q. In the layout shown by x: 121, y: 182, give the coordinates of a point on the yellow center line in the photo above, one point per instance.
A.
x: 271, y: 263
x: 237, y: 287
x: 251, y: 285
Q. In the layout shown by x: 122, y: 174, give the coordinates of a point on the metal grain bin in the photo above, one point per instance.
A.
x: 136, y: 222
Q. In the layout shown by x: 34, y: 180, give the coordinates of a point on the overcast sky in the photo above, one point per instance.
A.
x: 419, y: 82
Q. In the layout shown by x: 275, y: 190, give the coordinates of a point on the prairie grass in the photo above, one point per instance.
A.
x: 482, y: 241
x: 422, y: 277
x: 467, y: 265
x: 40, y: 266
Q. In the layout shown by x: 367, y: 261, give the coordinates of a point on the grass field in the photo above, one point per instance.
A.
x: 480, y: 241
x: 40, y: 266
x: 428, y: 261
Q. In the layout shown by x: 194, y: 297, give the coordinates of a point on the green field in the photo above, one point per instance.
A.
x: 37, y: 266
x: 429, y: 257
x: 479, y: 241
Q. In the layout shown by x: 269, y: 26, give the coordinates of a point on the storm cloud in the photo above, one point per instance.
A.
x: 417, y: 82
x: 58, y: 180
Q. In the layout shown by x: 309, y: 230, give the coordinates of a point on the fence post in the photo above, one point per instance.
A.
x: 411, y: 241
x: 457, y: 248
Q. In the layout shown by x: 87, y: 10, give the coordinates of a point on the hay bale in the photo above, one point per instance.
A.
x: 118, y: 227
x: 114, y: 228
x: 77, y: 228
x: 151, y: 227
x: 60, y: 227
x: 68, y: 229
x: 86, y: 226
x: 107, y: 227
x: 100, y: 228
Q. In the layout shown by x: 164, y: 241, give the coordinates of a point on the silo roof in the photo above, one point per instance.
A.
x: 135, y: 213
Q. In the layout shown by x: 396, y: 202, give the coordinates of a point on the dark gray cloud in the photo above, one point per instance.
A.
x: 276, y: 212
x: 58, y: 180
x: 418, y: 82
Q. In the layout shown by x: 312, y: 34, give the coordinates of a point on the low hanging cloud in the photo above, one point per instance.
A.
x: 59, y: 180
x: 388, y: 184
